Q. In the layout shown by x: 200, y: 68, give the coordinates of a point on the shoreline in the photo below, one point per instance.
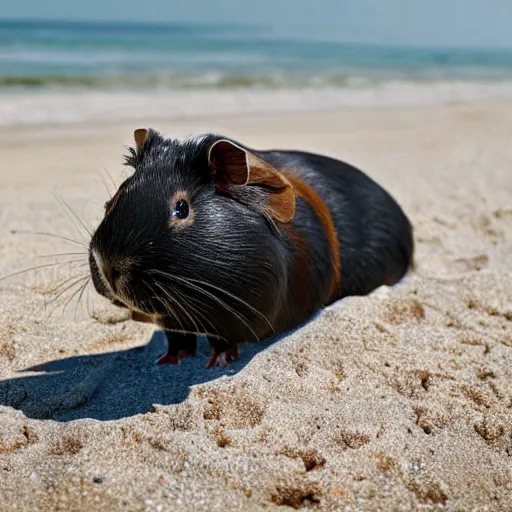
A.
x: 488, y: 105
x: 68, y: 107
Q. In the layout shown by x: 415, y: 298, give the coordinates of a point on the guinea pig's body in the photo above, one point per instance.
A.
x: 209, y: 237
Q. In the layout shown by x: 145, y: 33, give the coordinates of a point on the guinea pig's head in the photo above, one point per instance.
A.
x: 194, y: 236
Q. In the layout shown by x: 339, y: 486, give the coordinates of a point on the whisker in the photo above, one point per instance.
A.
x: 219, y: 301
x: 229, y: 294
x: 70, y: 299
x: 66, y: 206
x: 88, y: 302
x: 62, y: 292
x: 58, y: 255
x: 80, y: 298
x: 167, y: 293
x: 61, y: 303
x: 110, y: 176
x: 166, y: 306
x: 53, y: 235
x: 236, y: 313
x: 199, y: 315
x: 171, y: 310
x: 194, y: 318
x: 68, y: 214
x: 24, y: 271
x: 63, y: 283
x: 109, y: 193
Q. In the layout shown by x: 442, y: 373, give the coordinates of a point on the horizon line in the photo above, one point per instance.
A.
x: 245, y: 24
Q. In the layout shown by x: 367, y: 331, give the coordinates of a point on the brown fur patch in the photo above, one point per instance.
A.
x: 306, y: 192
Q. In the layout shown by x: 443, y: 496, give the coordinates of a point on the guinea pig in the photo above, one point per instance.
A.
x: 208, y: 237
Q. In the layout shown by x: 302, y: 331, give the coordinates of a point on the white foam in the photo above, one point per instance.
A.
x: 27, y: 107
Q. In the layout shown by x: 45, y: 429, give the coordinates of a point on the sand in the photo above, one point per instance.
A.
x: 401, y: 400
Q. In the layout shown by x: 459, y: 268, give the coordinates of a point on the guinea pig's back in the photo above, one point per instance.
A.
x: 375, y: 236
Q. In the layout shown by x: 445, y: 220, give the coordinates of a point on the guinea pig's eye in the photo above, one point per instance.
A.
x: 181, y: 209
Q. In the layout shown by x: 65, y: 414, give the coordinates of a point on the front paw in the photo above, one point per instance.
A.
x: 174, y: 359
x: 222, y: 359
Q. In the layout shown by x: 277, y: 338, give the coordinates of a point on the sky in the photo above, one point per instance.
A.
x: 467, y: 23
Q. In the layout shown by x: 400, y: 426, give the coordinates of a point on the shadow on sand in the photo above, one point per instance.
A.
x: 113, y: 385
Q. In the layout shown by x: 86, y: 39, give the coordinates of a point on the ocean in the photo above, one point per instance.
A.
x: 60, y: 72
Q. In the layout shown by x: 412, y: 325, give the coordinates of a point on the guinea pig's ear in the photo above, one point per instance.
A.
x: 233, y: 165
x: 140, y: 137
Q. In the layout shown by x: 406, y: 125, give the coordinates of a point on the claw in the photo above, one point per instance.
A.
x: 222, y: 359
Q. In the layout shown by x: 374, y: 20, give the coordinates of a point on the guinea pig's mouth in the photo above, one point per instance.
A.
x: 135, y: 312
x: 113, y: 285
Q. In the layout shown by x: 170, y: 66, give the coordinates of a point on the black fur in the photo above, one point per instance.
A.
x: 230, y: 274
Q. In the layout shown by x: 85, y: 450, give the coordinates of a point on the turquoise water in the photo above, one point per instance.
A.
x: 63, y: 72
x: 128, y: 55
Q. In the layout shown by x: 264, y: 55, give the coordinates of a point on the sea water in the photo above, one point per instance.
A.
x: 59, y: 72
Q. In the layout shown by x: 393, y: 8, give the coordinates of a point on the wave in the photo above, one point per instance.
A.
x: 212, y: 80
x: 217, y: 80
x: 31, y: 106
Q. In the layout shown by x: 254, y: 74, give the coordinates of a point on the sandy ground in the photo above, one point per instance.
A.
x: 397, y: 401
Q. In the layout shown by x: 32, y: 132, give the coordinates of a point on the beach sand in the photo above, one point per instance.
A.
x: 396, y: 401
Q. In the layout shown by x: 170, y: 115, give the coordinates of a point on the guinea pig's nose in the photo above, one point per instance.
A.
x: 112, y: 275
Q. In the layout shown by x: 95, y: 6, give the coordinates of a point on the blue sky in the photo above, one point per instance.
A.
x: 473, y: 23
